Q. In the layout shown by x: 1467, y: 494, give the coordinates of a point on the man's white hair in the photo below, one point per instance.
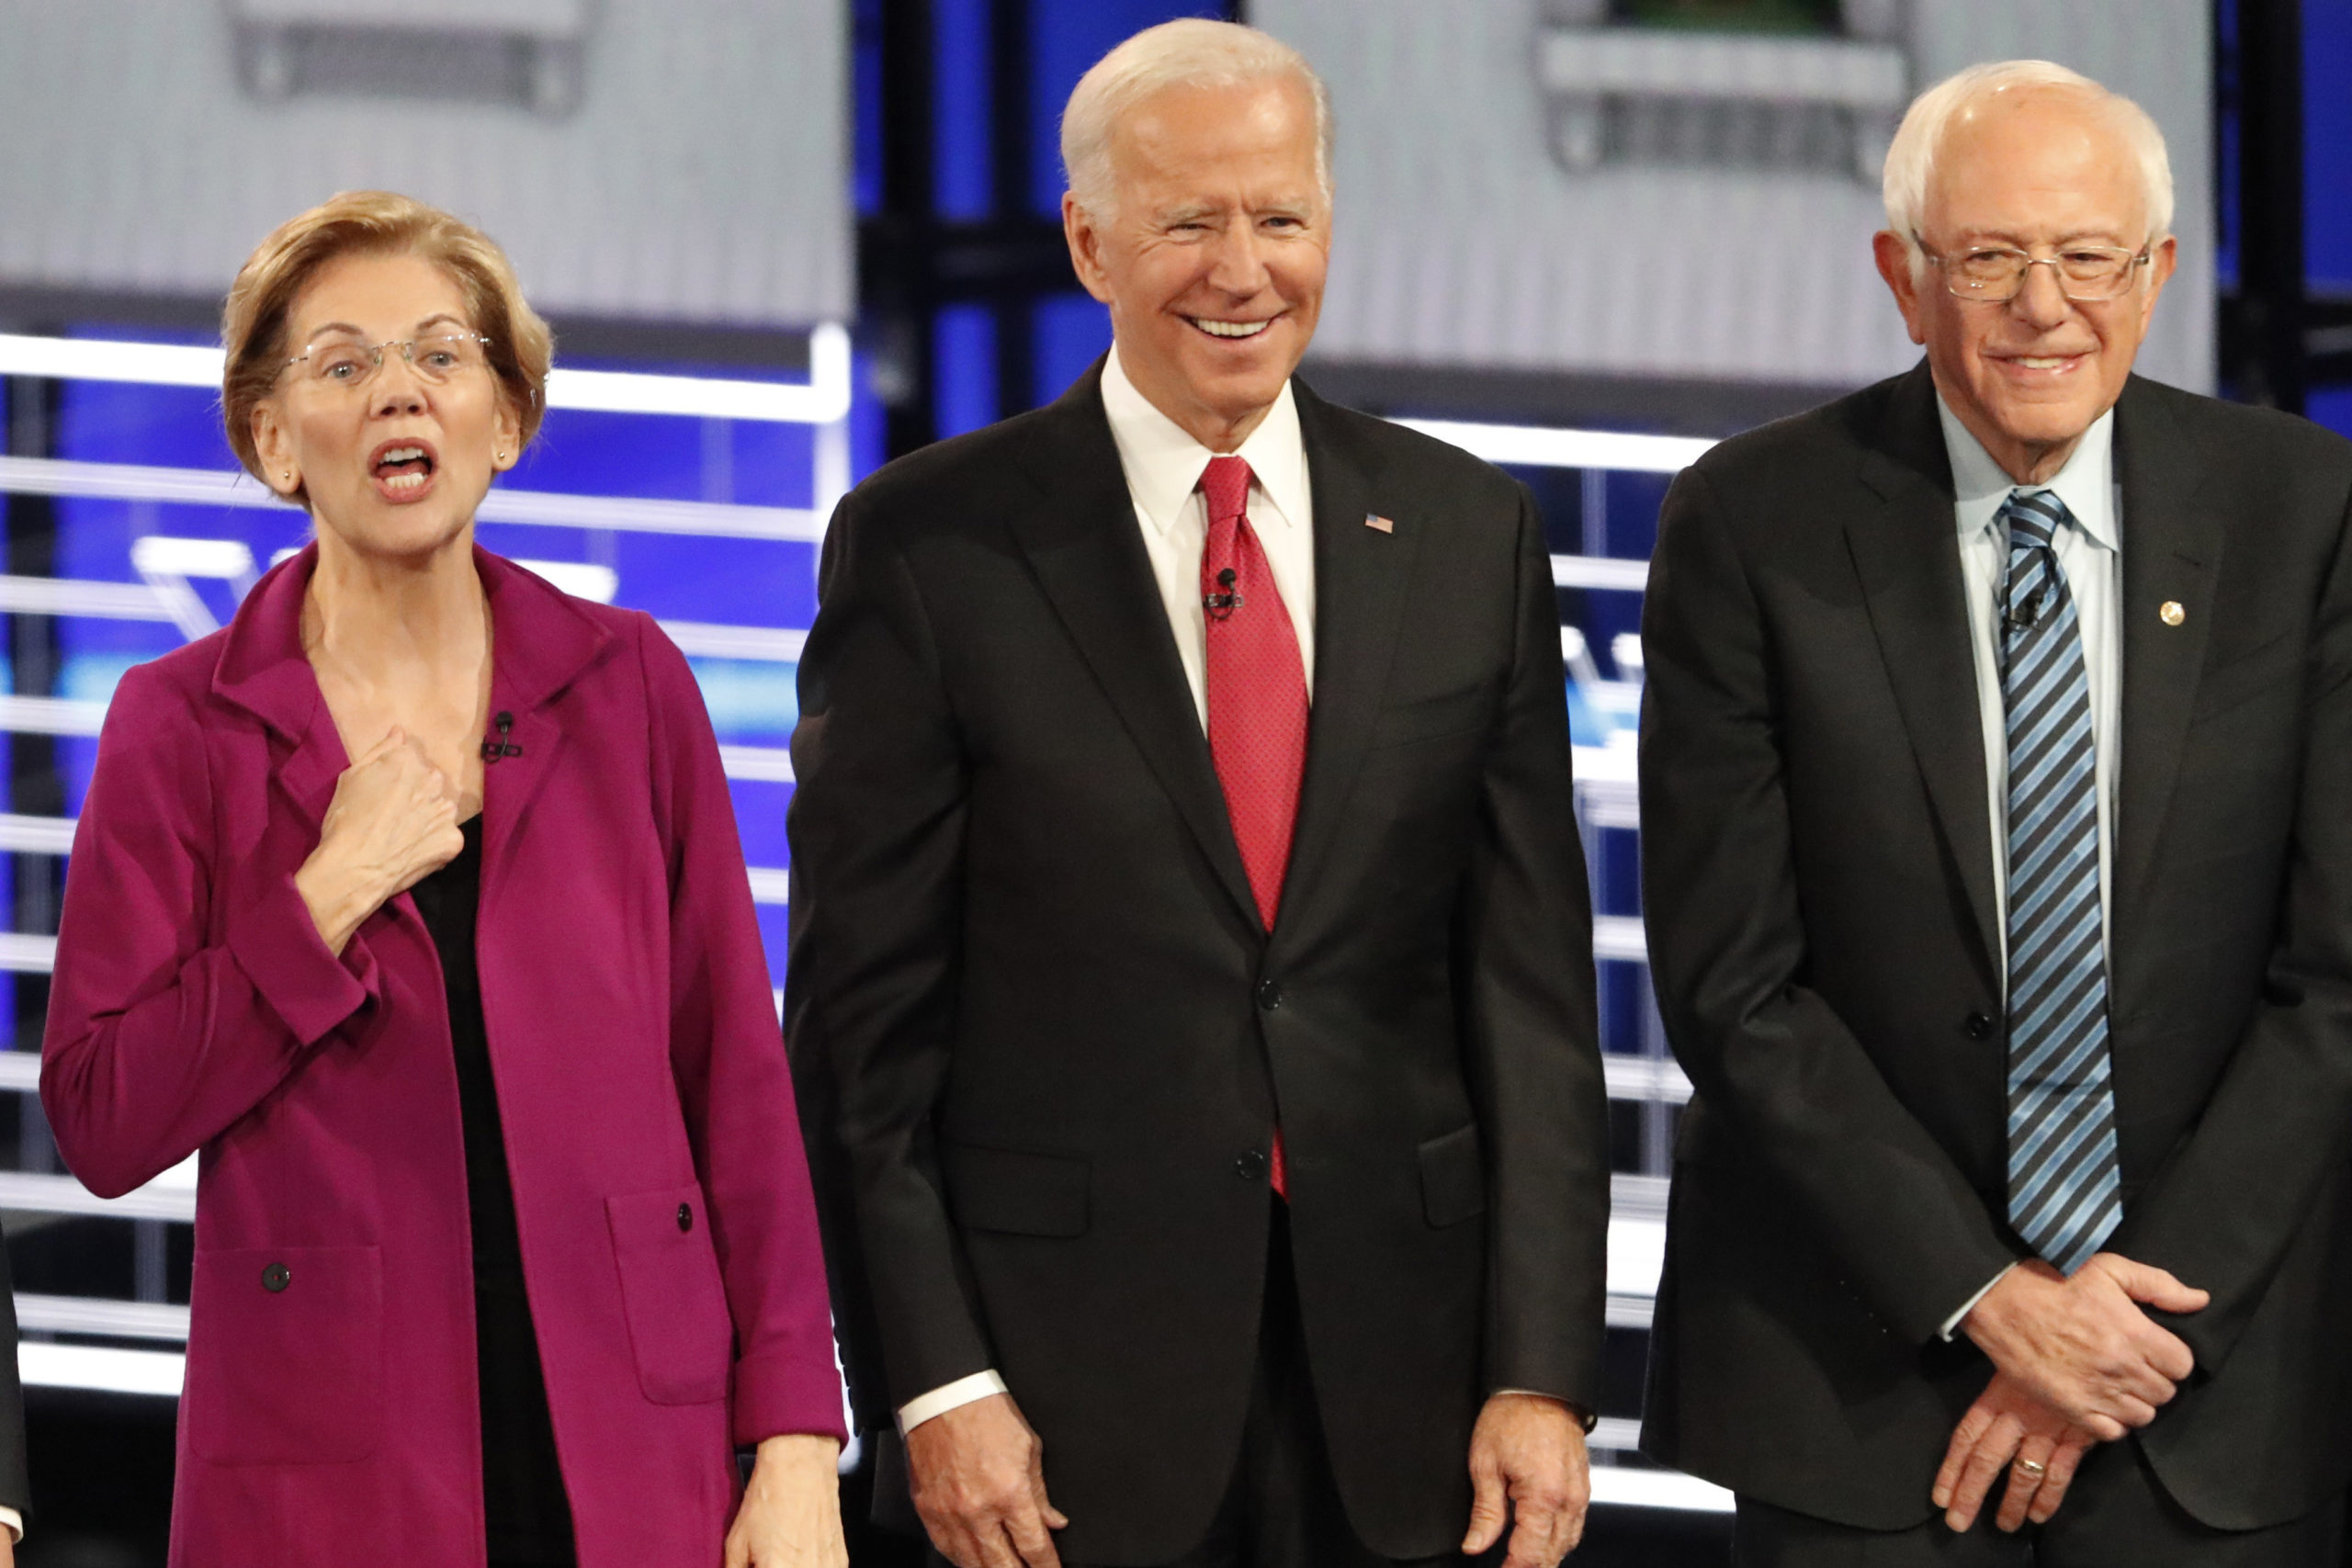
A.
x: 1911, y: 159
x: 1193, y: 52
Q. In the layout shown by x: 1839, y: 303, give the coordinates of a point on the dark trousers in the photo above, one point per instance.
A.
x: 1283, y: 1509
x: 2117, y: 1515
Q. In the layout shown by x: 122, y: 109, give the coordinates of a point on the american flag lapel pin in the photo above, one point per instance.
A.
x: 1377, y: 524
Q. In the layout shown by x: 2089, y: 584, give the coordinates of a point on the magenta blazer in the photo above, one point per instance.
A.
x: 669, y: 1238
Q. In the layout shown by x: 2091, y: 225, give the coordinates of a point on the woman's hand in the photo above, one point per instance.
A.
x: 791, y: 1515
x: 393, y: 821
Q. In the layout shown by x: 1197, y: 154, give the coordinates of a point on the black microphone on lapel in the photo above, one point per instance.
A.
x: 1221, y: 605
x: 491, y: 751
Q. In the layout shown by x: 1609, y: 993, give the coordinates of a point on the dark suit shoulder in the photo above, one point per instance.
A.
x: 2241, y: 432
x: 971, y: 470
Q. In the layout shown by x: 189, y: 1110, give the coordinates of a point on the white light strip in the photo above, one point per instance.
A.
x: 1534, y: 446
x: 1619, y: 937
x: 50, y: 715
x: 159, y: 1199
x: 35, y: 835
x: 101, y: 1369
x: 770, y: 885
x: 1601, y: 571
x: 1630, y: 1312
x: 1628, y: 1486
x: 97, y: 1315
x: 535, y: 508
x: 64, y: 596
x: 22, y: 954
x: 20, y: 1071
x: 1639, y: 1078
x: 707, y: 639
x: 767, y: 765
x: 821, y: 399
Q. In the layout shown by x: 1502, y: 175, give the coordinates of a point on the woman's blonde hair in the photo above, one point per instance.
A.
x: 375, y: 222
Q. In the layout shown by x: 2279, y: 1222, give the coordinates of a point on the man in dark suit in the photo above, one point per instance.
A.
x: 1996, y: 783
x: 1191, y: 984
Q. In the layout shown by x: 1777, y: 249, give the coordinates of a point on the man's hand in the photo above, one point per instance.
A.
x: 2008, y: 1425
x: 1529, y: 1450
x: 791, y: 1512
x: 978, y: 1477
x: 2083, y: 1346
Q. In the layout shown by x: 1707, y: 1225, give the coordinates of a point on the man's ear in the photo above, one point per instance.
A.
x: 1085, y: 248
x: 2160, y: 265
x: 1894, y: 257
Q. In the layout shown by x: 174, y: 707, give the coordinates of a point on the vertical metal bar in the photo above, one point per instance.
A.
x: 1011, y: 28
x: 2271, y: 265
x: 902, y: 312
x: 35, y: 785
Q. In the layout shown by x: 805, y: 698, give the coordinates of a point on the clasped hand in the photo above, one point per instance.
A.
x: 393, y: 821
x: 2075, y: 1362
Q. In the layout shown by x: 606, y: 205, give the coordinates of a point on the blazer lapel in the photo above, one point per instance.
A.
x: 1907, y: 556
x: 1360, y: 577
x: 2172, y: 553
x: 539, y: 645
x: 1082, y: 542
x: 263, y: 671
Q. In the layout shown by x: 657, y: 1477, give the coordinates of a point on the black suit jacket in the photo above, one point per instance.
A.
x: 1041, y: 1039
x: 1818, y: 884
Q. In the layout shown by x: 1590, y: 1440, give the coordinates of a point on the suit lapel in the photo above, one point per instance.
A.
x: 539, y: 645
x: 263, y: 671
x: 2172, y: 553
x: 1906, y: 553
x: 1084, y: 543
x: 1361, y: 576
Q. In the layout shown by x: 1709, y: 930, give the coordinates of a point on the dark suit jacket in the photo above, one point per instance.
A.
x: 1043, y: 1039
x: 16, y: 1490
x: 1818, y: 884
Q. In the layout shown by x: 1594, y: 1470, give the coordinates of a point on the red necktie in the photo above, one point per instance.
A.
x: 1257, y: 686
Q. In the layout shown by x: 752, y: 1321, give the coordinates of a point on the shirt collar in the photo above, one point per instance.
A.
x: 2086, y: 484
x: 1164, y: 463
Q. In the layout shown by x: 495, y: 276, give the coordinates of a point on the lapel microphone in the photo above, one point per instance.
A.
x: 491, y: 751
x: 1220, y: 606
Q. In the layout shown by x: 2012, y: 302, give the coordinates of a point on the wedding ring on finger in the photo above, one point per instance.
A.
x: 2031, y: 1467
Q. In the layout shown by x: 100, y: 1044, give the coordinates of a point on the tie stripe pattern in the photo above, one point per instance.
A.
x: 2063, y: 1197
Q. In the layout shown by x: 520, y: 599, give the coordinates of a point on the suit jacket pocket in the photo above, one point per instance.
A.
x: 1454, y: 1176
x: 1432, y: 718
x: 1015, y: 1192
x: 678, y: 1323
x: 286, y: 1364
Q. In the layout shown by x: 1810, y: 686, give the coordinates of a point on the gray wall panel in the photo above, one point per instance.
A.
x: 701, y: 175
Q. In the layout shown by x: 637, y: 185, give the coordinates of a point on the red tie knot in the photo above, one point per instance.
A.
x: 1225, y: 483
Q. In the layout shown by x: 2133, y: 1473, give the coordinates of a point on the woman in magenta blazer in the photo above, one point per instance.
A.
x: 412, y: 902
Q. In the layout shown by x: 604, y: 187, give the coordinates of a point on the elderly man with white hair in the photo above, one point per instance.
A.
x: 1192, y: 986
x: 1996, y: 770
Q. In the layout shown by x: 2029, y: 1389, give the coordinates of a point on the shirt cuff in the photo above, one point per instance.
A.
x: 14, y: 1521
x: 947, y: 1398
x: 1952, y: 1323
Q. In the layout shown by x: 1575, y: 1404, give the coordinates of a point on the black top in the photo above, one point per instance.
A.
x: 529, y: 1516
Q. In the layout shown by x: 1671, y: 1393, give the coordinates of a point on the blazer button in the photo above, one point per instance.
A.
x: 1270, y: 994
x: 1250, y: 1165
x: 685, y: 1219
x: 276, y: 1278
x: 1977, y: 1026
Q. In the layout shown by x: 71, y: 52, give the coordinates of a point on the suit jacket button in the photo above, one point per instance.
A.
x: 1270, y: 994
x: 276, y: 1278
x: 686, y: 1218
x: 1977, y: 1026
x: 1250, y: 1165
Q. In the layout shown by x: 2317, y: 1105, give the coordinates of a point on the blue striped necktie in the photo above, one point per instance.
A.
x: 2062, y: 1183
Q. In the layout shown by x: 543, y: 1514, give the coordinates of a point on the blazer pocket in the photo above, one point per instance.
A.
x: 1454, y: 1176
x: 1434, y: 718
x: 1015, y: 1192
x: 287, y: 1364
x: 679, y: 1325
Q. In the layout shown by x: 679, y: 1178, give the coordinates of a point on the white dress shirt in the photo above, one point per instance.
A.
x: 1163, y: 466
x: 2091, y: 555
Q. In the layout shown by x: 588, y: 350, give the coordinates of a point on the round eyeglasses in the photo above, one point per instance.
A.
x: 1996, y: 274
x: 438, y: 359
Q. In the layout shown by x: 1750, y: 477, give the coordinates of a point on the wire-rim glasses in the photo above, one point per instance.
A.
x: 346, y: 367
x: 1996, y: 274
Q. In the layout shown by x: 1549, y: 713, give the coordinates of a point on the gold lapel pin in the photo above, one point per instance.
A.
x: 2170, y: 612
x: 1377, y: 524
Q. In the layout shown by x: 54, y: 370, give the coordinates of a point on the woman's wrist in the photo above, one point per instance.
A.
x: 336, y: 898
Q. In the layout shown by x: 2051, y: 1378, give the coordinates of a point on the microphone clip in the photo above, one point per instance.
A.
x: 493, y: 750
x: 1221, y: 605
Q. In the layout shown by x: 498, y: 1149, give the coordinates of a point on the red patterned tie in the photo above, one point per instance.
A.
x: 1257, y: 685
